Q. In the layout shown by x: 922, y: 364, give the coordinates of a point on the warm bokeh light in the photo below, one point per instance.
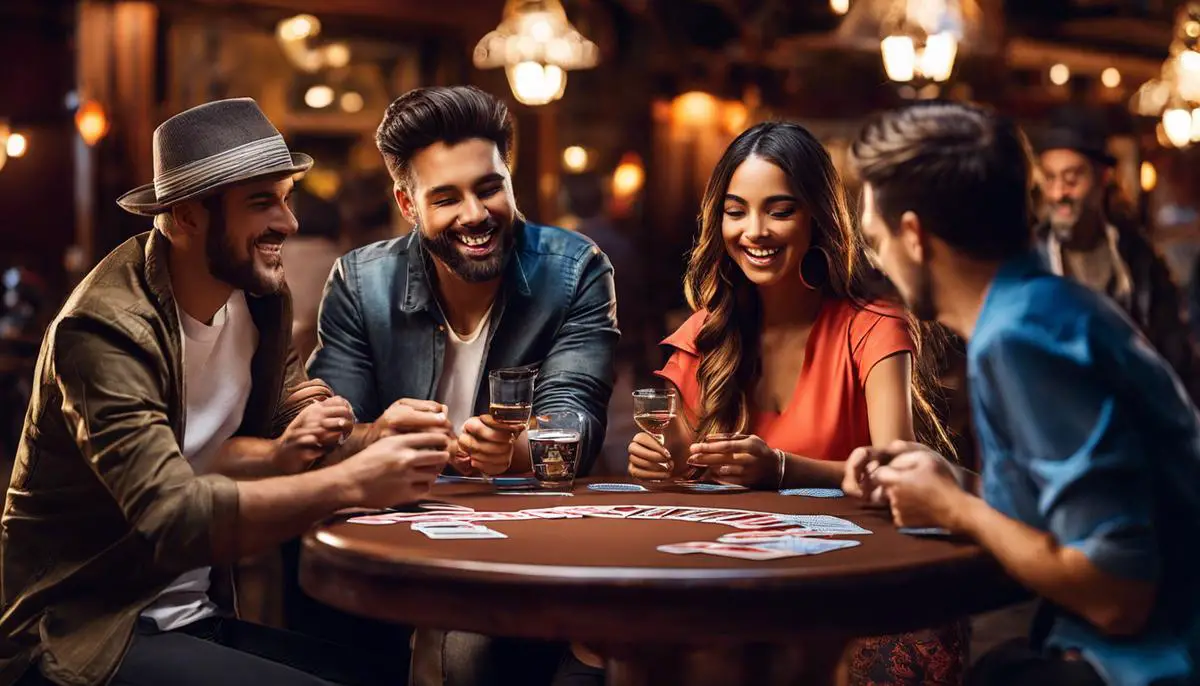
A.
x: 694, y: 108
x: 734, y: 116
x: 899, y: 58
x: 16, y: 145
x: 839, y: 6
x: 351, y: 102
x: 1110, y: 77
x: 575, y: 159
x: 1060, y: 74
x: 628, y: 176
x: 536, y: 84
x: 1149, y: 176
x: 318, y: 97
x: 299, y: 27
x: 1195, y: 125
x: 91, y: 121
x: 1177, y: 123
x: 337, y: 55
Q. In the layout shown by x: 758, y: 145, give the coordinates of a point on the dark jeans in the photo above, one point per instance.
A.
x: 445, y: 658
x: 232, y: 653
x: 1015, y: 662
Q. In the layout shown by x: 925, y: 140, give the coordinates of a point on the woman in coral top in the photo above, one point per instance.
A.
x: 791, y: 361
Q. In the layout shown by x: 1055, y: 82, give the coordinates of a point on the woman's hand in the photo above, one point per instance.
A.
x: 738, y: 459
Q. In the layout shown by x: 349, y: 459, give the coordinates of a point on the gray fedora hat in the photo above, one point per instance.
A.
x: 209, y: 146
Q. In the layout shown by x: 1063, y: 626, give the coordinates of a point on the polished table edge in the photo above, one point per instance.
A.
x: 692, y: 605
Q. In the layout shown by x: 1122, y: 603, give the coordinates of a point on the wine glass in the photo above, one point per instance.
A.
x: 654, y: 410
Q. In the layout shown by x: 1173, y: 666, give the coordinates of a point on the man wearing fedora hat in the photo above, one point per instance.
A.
x: 172, y: 433
x: 1086, y: 235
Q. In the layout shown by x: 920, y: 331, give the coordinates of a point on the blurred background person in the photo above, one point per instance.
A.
x: 1089, y: 232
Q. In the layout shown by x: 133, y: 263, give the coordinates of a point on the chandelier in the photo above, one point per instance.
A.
x: 293, y: 35
x: 1175, y: 95
x: 920, y: 40
x: 537, y: 46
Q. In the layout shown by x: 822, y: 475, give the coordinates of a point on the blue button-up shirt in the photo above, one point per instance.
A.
x: 382, y: 336
x: 1086, y: 433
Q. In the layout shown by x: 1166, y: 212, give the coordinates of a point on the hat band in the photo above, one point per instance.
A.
x: 260, y: 155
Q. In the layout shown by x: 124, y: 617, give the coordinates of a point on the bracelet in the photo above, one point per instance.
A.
x: 782, y: 466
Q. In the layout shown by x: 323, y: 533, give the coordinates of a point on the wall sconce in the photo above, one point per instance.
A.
x: 920, y: 40
x: 293, y: 34
x: 628, y: 177
x: 11, y: 144
x: 91, y: 121
x: 537, y: 46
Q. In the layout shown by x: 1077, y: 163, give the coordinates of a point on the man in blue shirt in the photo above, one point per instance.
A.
x: 1089, y: 444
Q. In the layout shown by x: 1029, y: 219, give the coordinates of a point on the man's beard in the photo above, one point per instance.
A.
x: 1064, y: 228
x: 244, y: 274
x: 444, y: 246
x: 920, y: 301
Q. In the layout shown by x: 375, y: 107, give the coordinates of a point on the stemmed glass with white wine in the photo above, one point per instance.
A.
x: 653, y: 411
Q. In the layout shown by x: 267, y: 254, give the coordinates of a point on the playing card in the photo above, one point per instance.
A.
x: 697, y: 514
x: 923, y: 531
x: 567, y: 495
x: 462, y: 534
x: 713, y: 488
x: 619, y: 510
x: 745, y: 552
x: 686, y: 548
x: 445, y: 507
x: 756, y: 536
x: 552, y: 513
x: 617, y: 488
x: 806, y: 545
x: 826, y: 524
x: 814, y: 492
x: 653, y: 513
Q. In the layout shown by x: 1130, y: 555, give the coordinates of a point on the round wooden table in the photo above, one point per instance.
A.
x: 658, y: 618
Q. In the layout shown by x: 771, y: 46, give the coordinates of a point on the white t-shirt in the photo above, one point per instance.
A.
x: 461, y: 369
x: 216, y: 373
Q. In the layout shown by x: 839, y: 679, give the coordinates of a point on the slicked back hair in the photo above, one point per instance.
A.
x: 424, y: 116
x: 963, y: 170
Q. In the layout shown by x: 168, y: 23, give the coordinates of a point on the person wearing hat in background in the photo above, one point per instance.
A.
x: 172, y: 433
x: 1086, y: 234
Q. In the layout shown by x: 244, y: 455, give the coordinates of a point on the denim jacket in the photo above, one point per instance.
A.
x: 382, y: 337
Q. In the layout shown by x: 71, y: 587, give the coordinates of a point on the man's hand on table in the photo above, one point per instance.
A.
x: 918, y: 485
x: 396, y: 469
x: 488, y: 444
x: 318, y: 428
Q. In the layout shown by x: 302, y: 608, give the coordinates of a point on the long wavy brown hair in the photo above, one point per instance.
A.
x: 729, y: 342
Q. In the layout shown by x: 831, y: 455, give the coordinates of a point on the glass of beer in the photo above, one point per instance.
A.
x: 554, y: 449
x: 653, y: 411
x: 511, y: 398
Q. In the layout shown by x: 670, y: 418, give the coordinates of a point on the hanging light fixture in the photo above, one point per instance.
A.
x: 293, y: 35
x: 920, y: 40
x: 1174, y: 97
x: 537, y: 46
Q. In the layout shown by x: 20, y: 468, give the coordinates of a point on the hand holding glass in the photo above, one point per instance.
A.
x: 653, y: 411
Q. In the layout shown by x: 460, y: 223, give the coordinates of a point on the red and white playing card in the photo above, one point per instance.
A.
x: 740, y: 552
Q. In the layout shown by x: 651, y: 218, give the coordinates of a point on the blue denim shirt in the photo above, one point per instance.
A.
x: 382, y: 337
x: 1086, y: 433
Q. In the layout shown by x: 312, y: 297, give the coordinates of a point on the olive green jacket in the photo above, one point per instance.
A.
x: 103, y: 510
